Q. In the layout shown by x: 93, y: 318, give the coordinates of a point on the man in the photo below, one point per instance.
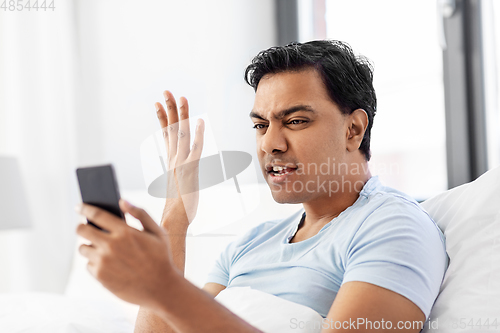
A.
x: 358, y: 249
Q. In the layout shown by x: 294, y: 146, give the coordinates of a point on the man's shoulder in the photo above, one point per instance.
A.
x: 380, y: 197
x: 389, y: 209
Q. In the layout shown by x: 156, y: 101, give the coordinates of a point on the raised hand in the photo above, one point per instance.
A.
x: 182, y: 163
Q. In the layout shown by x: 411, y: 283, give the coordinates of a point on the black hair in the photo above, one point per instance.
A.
x: 347, y: 77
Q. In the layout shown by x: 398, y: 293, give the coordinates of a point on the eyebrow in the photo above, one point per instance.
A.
x: 283, y: 113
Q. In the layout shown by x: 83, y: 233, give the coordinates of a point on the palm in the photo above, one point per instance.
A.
x: 183, y: 160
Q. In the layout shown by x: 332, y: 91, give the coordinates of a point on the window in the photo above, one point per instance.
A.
x: 401, y: 40
x: 491, y: 40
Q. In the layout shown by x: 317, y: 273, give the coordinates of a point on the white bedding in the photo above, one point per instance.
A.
x: 269, y: 313
x: 51, y: 313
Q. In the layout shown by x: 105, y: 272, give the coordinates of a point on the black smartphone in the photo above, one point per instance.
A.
x: 99, y: 187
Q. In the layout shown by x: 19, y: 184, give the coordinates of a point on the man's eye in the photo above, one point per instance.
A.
x: 297, y: 122
x: 258, y: 126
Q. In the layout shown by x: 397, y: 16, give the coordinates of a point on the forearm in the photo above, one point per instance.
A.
x: 175, y: 222
x: 147, y: 320
x: 190, y: 309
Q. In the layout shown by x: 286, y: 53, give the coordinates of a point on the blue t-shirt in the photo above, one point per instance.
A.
x: 384, y: 238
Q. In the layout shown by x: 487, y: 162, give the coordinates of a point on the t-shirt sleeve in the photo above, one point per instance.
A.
x: 220, y: 272
x: 400, y: 248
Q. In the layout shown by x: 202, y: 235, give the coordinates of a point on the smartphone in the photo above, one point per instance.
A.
x: 99, y: 187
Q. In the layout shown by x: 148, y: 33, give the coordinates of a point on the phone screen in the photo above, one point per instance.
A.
x: 98, y: 187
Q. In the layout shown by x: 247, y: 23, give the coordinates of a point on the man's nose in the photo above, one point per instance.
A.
x: 273, y: 141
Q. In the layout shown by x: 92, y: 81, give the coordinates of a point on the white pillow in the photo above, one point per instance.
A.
x: 469, y: 216
x: 270, y: 313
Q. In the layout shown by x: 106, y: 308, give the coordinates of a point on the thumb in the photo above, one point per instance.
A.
x: 147, y: 222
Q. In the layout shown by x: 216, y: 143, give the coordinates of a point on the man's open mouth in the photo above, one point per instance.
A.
x: 280, y: 170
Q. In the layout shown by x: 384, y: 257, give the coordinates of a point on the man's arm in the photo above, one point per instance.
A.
x: 188, y: 309
x: 147, y: 320
x: 179, y: 210
x: 365, y: 307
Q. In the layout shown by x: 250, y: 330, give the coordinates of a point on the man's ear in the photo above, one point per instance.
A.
x: 357, y: 124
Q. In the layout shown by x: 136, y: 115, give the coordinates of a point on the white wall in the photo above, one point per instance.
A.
x: 131, y: 52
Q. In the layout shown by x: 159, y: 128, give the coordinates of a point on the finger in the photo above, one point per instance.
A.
x: 102, y: 218
x: 197, y: 147
x: 173, y: 122
x: 184, y: 132
x: 88, y: 251
x: 92, y: 268
x: 162, y: 118
x: 162, y: 115
x: 171, y: 107
x: 91, y: 233
x: 147, y: 222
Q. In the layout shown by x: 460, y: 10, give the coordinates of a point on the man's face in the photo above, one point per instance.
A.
x: 299, y: 127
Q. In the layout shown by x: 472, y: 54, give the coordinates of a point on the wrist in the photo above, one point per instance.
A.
x: 175, y: 221
x: 175, y: 226
x: 165, y: 296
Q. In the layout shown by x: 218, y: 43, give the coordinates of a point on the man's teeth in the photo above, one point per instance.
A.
x: 280, y: 169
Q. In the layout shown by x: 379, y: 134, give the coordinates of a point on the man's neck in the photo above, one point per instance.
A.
x: 323, y: 209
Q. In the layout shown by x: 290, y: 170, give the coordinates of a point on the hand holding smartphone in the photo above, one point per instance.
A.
x: 98, y: 187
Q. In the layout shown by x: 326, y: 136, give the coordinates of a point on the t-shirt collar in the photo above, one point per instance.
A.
x: 371, y: 185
